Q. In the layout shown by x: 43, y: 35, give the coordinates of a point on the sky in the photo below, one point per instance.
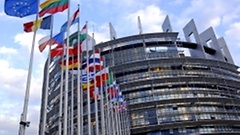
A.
x: 15, y: 44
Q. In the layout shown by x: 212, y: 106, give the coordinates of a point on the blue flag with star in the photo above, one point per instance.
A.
x: 20, y: 8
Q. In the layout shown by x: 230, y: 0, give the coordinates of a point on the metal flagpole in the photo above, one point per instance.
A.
x: 23, y: 120
x: 95, y: 93
x: 116, y: 120
x: 102, y: 107
x: 108, y: 115
x: 72, y: 96
x: 79, y: 75
x: 121, y: 123
x: 116, y: 110
x: 66, y: 77
x: 81, y: 105
x: 112, y: 115
x: 61, y: 98
x: 81, y: 89
x: 88, y: 89
x: 61, y: 95
x: 69, y: 122
x: 128, y: 123
x: 47, y: 82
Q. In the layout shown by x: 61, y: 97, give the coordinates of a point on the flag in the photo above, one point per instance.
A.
x: 112, y: 92
x: 57, y: 39
x: 53, y: 6
x: 43, y: 23
x: 88, y: 42
x: 74, y: 38
x: 72, y: 21
x: 102, y: 77
x: 90, y: 77
x: 46, y: 3
x: 58, y: 51
x: 21, y: 8
x: 64, y: 26
x: 90, y: 84
x: 93, y: 63
x: 122, y: 106
x: 110, y: 78
x: 43, y: 43
x: 73, y: 63
x: 85, y: 40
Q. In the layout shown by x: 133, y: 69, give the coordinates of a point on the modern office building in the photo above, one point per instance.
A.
x: 172, y: 86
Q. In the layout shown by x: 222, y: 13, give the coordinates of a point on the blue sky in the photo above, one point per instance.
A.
x: 222, y: 15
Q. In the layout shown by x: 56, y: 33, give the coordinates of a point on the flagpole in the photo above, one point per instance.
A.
x: 108, y: 113
x: 102, y: 108
x: 88, y: 88
x: 61, y: 98
x: 95, y: 93
x: 115, y: 110
x: 72, y: 102
x: 79, y: 95
x: 112, y: 115
x: 104, y: 111
x: 119, y: 99
x: 23, y: 120
x: 47, y: 82
x: 65, y: 126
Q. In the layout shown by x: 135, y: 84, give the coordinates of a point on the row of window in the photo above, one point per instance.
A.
x: 202, y: 129
x: 181, y: 92
x: 196, y: 109
x: 170, y: 73
x: 141, y: 120
x: 173, y: 96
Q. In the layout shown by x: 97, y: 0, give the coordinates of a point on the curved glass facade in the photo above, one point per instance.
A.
x: 168, y: 92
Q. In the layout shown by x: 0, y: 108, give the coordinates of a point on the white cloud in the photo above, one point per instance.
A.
x: 151, y: 18
x: 10, y: 118
x: 232, y: 32
x: 233, y: 41
x: 25, y: 39
x: 13, y: 74
x: 6, y: 50
x: 102, y: 33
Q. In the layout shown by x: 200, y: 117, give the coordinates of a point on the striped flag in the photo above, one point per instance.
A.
x: 73, y: 20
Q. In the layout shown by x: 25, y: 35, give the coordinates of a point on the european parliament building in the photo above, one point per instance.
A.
x: 174, y: 86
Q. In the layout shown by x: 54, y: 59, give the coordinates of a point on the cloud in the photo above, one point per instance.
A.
x: 6, y: 50
x: 13, y: 72
x: 25, y: 39
x: 151, y: 19
x: 233, y: 41
x: 231, y: 33
x: 10, y: 118
x: 102, y: 33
